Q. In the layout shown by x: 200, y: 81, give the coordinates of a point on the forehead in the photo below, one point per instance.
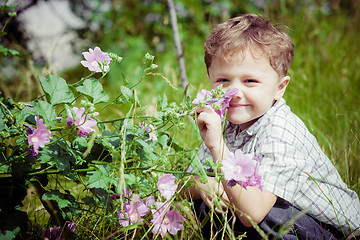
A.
x: 240, y: 57
x: 247, y: 63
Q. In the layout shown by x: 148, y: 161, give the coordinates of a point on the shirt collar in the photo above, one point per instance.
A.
x: 253, y: 129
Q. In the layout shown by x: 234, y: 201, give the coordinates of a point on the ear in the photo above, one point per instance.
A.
x: 282, y: 87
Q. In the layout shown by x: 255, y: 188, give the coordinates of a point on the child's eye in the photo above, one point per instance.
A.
x: 251, y: 81
x: 221, y: 80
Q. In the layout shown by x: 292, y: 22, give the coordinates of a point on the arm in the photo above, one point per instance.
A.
x: 211, y: 193
x: 251, y: 201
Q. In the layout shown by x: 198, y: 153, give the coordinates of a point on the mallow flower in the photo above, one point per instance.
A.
x: 217, y: 98
x: 96, y: 60
x: 52, y: 234
x: 242, y: 169
x: 133, y: 211
x: 38, y: 137
x: 167, y: 186
x: 84, y: 123
x: 149, y: 128
x: 166, y: 220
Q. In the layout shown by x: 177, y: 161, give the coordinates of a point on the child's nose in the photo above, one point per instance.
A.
x: 240, y: 93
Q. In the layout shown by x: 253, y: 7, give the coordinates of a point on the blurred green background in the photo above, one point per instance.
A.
x: 323, y: 92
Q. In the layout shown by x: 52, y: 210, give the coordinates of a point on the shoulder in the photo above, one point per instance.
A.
x: 282, y: 125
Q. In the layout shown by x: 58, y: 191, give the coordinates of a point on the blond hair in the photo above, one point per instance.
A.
x: 254, y: 33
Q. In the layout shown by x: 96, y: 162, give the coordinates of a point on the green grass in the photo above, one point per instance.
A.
x: 323, y: 90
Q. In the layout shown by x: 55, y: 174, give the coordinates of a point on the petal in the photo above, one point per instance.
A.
x: 88, y: 56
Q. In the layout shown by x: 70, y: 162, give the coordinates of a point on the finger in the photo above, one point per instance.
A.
x: 206, y: 108
x: 220, y: 207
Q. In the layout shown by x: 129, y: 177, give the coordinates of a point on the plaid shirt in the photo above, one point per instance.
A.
x: 294, y: 168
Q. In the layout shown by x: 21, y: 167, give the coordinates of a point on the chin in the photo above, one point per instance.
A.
x: 244, y: 123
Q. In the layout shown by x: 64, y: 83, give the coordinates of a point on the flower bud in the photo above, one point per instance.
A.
x: 149, y: 57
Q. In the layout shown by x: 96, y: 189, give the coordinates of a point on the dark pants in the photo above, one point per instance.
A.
x: 282, y: 222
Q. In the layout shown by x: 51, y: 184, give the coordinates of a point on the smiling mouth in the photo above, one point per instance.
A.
x: 238, y: 105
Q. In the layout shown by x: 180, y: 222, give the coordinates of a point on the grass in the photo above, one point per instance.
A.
x: 323, y: 90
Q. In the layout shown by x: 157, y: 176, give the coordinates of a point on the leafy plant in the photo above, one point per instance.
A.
x: 50, y: 136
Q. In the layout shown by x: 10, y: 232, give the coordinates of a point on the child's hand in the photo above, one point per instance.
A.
x: 213, y: 194
x: 209, y: 123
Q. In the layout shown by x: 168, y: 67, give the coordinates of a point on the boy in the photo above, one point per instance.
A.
x: 300, y: 182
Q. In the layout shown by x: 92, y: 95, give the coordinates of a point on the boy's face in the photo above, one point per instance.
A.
x: 258, y: 84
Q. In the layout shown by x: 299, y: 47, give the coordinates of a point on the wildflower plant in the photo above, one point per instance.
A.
x: 131, y: 168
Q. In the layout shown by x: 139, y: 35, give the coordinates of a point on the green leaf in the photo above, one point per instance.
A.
x: 89, y: 200
x: 93, y: 89
x: 163, y: 140
x: 7, y: 51
x: 56, y: 89
x: 45, y: 110
x: 126, y: 92
x: 2, y: 117
x: 50, y: 154
x: 104, y: 198
x: 163, y: 102
x: 57, y: 196
x: 22, y: 115
x: 100, y: 178
x: 145, y: 150
x: 199, y: 167
x: 10, y: 234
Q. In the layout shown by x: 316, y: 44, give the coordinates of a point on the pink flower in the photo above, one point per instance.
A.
x: 166, y: 220
x: 83, y: 123
x: 242, y: 169
x: 225, y: 100
x: 167, y: 186
x: 149, y: 128
x: 133, y: 211
x: 238, y: 166
x: 204, y: 97
x: 150, y: 201
x: 53, y: 234
x: 175, y: 220
x: 96, y: 60
x: 71, y: 226
x: 255, y: 180
x: 126, y: 193
x: 39, y: 136
x: 216, y: 98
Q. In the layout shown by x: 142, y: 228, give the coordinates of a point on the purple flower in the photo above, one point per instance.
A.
x: 29, y: 129
x: 150, y: 201
x: 225, y: 100
x: 204, y: 97
x: 39, y: 136
x: 84, y: 124
x: 255, y: 180
x: 167, y: 186
x: 216, y: 98
x: 53, y: 234
x: 72, y: 227
x: 238, y: 166
x: 149, y: 128
x: 242, y: 169
x: 96, y: 60
x: 166, y: 220
x: 126, y: 193
x: 133, y: 211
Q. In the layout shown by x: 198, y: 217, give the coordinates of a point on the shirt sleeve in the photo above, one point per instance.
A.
x: 282, y: 169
